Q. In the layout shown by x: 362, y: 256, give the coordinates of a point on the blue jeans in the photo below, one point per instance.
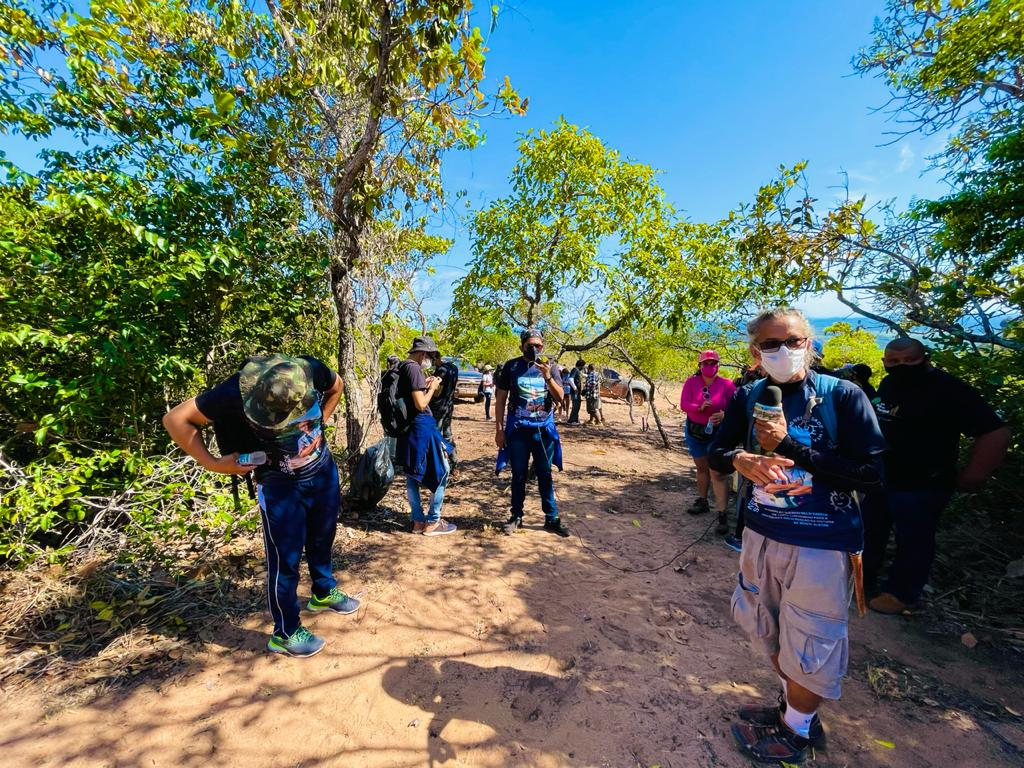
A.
x: 915, y: 517
x: 412, y: 490
x: 296, y: 514
x: 520, y: 444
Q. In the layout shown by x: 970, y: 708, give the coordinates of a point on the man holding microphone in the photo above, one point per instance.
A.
x: 531, y: 388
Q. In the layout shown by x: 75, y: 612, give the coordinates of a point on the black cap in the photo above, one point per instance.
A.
x: 530, y: 333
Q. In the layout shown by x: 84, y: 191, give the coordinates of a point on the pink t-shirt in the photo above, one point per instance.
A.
x: 721, y: 391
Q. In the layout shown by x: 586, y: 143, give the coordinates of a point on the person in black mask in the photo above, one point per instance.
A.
x: 531, y: 388
x: 922, y: 412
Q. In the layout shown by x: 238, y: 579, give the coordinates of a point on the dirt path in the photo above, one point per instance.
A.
x: 482, y: 650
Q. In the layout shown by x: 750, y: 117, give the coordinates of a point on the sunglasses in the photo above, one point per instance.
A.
x: 706, y: 393
x: 771, y: 345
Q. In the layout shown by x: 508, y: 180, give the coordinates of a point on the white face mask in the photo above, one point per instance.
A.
x: 426, y: 364
x: 784, y: 363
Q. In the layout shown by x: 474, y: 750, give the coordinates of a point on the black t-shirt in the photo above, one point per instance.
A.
x: 578, y: 374
x: 529, y: 398
x: 293, y: 453
x: 411, y: 379
x: 922, y: 419
x: 444, y: 402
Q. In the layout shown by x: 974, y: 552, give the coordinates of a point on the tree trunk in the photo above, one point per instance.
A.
x: 657, y: 419
x: 624, y: 356
x: 343, y: 290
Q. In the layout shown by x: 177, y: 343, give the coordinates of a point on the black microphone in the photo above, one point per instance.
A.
x: 769, y: 405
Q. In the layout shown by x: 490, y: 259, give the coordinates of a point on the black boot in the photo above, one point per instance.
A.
x: 555, y: 526
x: 723, y: 524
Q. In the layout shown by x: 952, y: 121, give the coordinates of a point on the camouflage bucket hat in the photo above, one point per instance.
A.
x: 276, y: 389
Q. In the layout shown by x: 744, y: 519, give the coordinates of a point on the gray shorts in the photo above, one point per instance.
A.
x: 795, y: 601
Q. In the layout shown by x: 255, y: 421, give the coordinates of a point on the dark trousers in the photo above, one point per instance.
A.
x: 522, y: 443
x: 914, y: 515
x: 298, y: 514
x: 574, y: 417
x: 487, y: 405
x: 445, y: 425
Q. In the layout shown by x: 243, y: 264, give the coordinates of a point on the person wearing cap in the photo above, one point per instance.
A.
x: 278, y: 405
x: 422, y: 451
x: 487, y: 389
x: 531, y: 388
x: 704, y: 398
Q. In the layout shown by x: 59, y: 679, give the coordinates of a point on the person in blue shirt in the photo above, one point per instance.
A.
x: 531, y: 388
x: 803, y: 534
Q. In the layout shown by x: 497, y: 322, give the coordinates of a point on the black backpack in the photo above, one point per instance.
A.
x: 371, y: 478
x: 394, y: 412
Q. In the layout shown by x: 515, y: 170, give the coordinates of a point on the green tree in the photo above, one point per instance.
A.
x: 586, y: 246
x: 846, y: 345
x: 349, y: 105
x: 951, y: 65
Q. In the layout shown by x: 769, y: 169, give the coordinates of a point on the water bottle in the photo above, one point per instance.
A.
x: 709, y: 428
x: 252, y: 459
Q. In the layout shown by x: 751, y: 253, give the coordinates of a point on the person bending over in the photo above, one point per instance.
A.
x: 276, y: 407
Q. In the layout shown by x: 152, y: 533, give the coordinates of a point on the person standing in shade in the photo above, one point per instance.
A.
x: 568, y: 392
x: 393, y: 362
x: 578, y: 380
x: 487, y: 389
x: 442, y: 405
x: 704, y: 398
x: 422, y: 451
x: 923, y: 412
x: 804, y: 458
x: 531, y: 389
x: 592, y: 393
x: 277, y: 405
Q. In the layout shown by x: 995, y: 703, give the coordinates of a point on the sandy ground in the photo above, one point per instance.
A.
x: 483, y: 650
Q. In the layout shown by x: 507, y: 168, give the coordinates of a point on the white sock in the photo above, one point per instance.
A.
x: 799, y: 722
x: 782, y: 681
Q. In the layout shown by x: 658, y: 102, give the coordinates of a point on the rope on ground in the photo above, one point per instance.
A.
x: 675, y: 557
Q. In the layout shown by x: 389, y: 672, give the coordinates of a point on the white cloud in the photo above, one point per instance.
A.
x: 906, y: 158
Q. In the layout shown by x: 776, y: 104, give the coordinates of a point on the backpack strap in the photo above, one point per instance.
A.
x: 752, y: 397
x: 825, y: 387
x: 823, y: 400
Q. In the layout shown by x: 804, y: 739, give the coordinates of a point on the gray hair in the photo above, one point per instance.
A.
x: 785, y: 313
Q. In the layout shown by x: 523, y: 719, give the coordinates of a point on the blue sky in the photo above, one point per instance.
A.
x: 713, y: 94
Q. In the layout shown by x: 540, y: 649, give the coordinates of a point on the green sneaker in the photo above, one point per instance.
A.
x: 300, y: 643
x: 336, y: 601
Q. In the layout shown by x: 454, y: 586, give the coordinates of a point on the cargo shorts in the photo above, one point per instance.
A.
x: 795, y: 601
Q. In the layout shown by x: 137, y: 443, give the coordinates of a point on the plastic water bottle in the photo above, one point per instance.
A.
x: 252, y: 459
x: 709, y: 428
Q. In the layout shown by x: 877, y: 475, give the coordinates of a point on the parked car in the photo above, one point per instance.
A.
x: 614, y: 384
x: 469, y: 378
